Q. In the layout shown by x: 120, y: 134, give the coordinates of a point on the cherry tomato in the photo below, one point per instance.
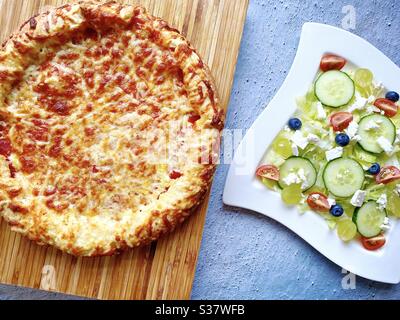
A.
x: 388, y: 174
x: 269, y: 172
x: 341, y: 120
x: 373, y: 243
x: 387, y: 106
x: 332, y: 62
x: 318, y: 201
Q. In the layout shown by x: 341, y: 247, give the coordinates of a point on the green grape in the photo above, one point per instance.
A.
x: 270, y: 184
x: 363, y: 78
x: 348, y: 209
x: 364, y: 92
x: 331, y: 223
x: 282, y: 146
x: 346, y: 230
x: 393, y: 205
x: 291, y: 195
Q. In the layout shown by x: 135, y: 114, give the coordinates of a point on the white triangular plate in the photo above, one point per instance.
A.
x: 244, y: 190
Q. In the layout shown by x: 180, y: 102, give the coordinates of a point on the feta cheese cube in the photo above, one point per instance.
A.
x: 321, y: 114
x: 358, y: 198
x: 386, y: 224
x: 299, y: 140
x: 312, y: 138
x: 352, y: 129
x: 295, y: 150
x: 331, y: 202
x: 298, y: 177
x: 359, y: 103
x: 291, y: 178
x: 303, y: 178
x: 382, y: 201
x: 386, y: 220
x: 373, y: 109
x: 385, y: 145
x: 371, y: 99
x: 372, y: 125
x: 334, y: 153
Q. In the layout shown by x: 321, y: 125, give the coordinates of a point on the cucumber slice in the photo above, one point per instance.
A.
x: 371, y: 128
x: 334, y: 88
x: 343, y: 177
x: 297, y: 168
x: 364, y: 156
x: 369, y: 219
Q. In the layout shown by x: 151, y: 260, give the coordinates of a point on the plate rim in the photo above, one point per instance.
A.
x: 243, y: 190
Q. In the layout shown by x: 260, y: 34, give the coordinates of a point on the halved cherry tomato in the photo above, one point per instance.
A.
x: 373, y: 243
x: 268, y: 171
x: 387, y: 106
x: 318, y: 201
x: 332, y: 62
x: 388, y: 174
x: 341, y: 120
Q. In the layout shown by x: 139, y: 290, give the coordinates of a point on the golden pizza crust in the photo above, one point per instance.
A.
x: 88, y: 93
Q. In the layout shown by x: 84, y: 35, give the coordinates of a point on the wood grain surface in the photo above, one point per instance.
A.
x: 164, y: 270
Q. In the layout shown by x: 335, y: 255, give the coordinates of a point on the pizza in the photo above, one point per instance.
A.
x: 109, y: 128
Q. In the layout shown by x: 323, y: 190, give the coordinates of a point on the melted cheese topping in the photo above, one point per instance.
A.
x: 102, y: 134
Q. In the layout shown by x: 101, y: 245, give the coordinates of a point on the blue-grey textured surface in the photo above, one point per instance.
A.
x: 248, y: 256
x: 245, y: 255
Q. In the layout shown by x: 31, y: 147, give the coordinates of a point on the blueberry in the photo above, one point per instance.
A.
x: 342, y: 139
x: 374, y: 169
x: 336, y: 210
x: 393, y: 96
x: 295, y: 124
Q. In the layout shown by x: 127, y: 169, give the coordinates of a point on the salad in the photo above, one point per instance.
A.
x: 339, y: 154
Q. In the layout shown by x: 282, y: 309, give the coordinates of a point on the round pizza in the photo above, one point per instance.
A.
x: 109, y: 128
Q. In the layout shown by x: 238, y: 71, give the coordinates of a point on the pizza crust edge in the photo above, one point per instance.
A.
x: 16, y: 50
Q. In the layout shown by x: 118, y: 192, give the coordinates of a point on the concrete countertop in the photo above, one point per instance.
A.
x: 245, y: 255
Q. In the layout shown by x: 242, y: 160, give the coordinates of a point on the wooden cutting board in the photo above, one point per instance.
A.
x: 164, y: 270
